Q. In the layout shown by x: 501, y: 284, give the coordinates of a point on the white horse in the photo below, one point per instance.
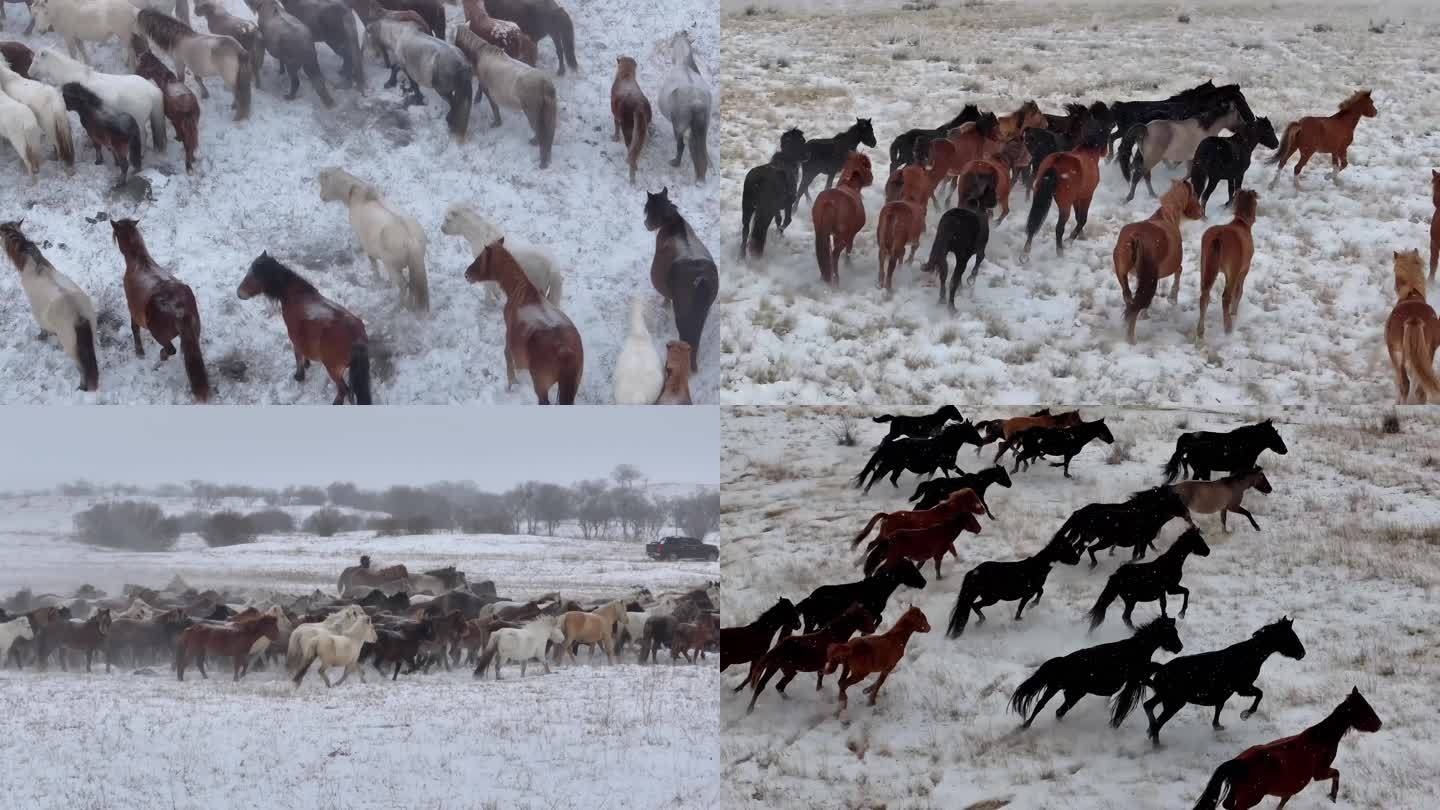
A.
x: 340, y: 621
x: 527, y: 643
x: 81, y: 21
x: 461, y: 220
x: 48, y: 106
x: 19, y: 126
x: 13, y: 631
x: 60, y: 307
x: 639, y: 371
x: 336, y: 650
x: 131, y: 94
x: 1170, y: 140
x: 685, y: 100
x: 387, y: 236
x: 139, y: 610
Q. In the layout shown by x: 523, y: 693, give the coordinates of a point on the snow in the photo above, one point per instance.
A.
x: 1320, y: 287
x: 1346, y: 549
x: 255, y: 189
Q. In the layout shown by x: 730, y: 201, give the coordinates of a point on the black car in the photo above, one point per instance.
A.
x: 681, y: 548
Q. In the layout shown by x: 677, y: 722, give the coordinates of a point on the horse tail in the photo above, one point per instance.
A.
x: 357, y: 56
x: 1221, y: 784
x: 311, y: 66
x: 1025, y: 694
x: 1286, y: 144
x: 304, y: 668
x: 571, y: 365
x: 242, y: 83
x: 64, y: 143
x: 822, y: 245
x: 1125, y: 700
x: 1417, y: 354
x: 293, y: 652
x: 960, y: 614
x: 879, y: 516
x: 1147, y: 278
x: 1040, y: 205
x: 859, y: 480
x: 1069, y: 531
x: 458, y: 117
x: 419, y: 281
x: 1097, y: 613
x: 564, y: 31
x: 699, y: 127
x: 190, y: 350
x: 85, y: 354
x: 835, y: 655
x: 639, y: 132
x: 360, y: 372
x: 546, y: 133
x: 1127, y: 145
x: 136, y: 141
x: 487, y: 656
x: 1177, y: 459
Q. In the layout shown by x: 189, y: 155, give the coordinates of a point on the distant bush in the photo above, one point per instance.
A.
x: 487, y: 523
x: 193, y: 521
x: 130, y: 525
x: 329, y: 522
x: 272, y: 521
x: 391, y: 526
x: 228, y: 529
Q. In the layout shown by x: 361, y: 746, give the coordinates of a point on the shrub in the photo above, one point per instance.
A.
x: 228, y: 529
x: 329, y: 522
x: 272, y: 521
x: 130, y: 525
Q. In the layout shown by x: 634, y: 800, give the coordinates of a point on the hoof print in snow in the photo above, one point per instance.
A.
x: 136, y: 190
x: 100, y: 216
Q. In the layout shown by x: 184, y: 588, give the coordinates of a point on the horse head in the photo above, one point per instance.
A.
x: 1281, y: 638
x: 658, y: 209
x: 1163, y: 632
x: 1359, y: 713
x: 1194, y: 542
x: 1259, y: 481
x: 1272, y: 436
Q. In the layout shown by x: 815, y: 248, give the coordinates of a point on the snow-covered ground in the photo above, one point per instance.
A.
x: 1321, y: 283
x: 580, y: 737
x: 1347, y: 548
x: 255, y: 189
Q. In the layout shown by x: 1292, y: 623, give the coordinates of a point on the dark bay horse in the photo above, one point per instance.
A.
x: 540, y: 19
x: 922, y: 455
x: 827, y: 155
x: 964, y: 232
x: 918, y: 426
x: 768, y: 192
x: 83, y: 636
x: 931, y: 493
x: 682, y: 270
x: 991, y: 582
x: 181, y: 106
x: 807, y: 653
x: 740, y: 645
x: 1136, y: 582
x: 827, y: 602
x: 1233, y: 451
x: 1228, y: 158
x: 162, y: 304
x: 1134, y: 523
x: 913, y: 145
x: 107, y: 127
x: 1063, y: 442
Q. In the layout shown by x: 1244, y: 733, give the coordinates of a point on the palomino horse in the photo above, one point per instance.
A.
x: 107, y: 128
x: 387, y: 236
x: 523, y: 645
x: 331, y: 22
x: 243, y: 31
x: 1136, y: 582
x: 630, y: 110
x: 1020, y: 580
x: 333, y: 649
x: 1152, y: 250
x: 901, y: 223
x: 1224, y: 495
x: 828, y: 156
x: 503, y: 34
x: 293, y: 46
x: 1069, y: 180
x: 947, y: 515
x: 319, y: 328
x: 538, y: 335
x: 1228, y: 158
x: 1329, y: 135
x: 676, y: 390
x: 47, y: 105
x: 234, y: 640
x: 513, y: 85
x: 129, y: 94
x: 685, y: 100
x: 162, y: 304
x: 1286, y: 766
x: 60, y: 307
x: 1227, y: 249
x: 1412, y: 332
x: 363, y: 575
x: 202, y: 54
x: 838, y: 215
x: 859, y: 658
x: 81, y: 21
x: 181, y: 106
x: 682, y: 270
x: 461, y: 220
x: 639, y: 371
x: 540, y: 19
x: 428, y: 62
x: 1170, y: 140
x: 586, y: 628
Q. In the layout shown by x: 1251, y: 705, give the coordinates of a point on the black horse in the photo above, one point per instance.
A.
x: 931, y: 493
x: 399, y: 643
x: 1151, y: 581
x: 827, y: 602
x: 913, y: 146
x: 991, y: 582
x: 1235, y: 451
x: 769, y: 192
x: 963, y: 231
x: 110, y: 128
x: 1185, y: 104
x: 1208, y: 679
x: 1100, y: 670
x: 1227, y: 157
x: 922, y: 455
x: 827, y: 155
x: 1063, y: 442
x: 806, y: 653
x: 918, y: 426
x: 1134, y: 523
x: 745, y: 643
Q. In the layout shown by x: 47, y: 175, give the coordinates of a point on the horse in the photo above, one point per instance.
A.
x: 333, y: 649
x: 747, y: 643
x: 154, y: 635
x: 922, y: 455
x: 859, y: 658
x: 243, y: 31
x: 514, y: 85
x: 162, y: 304
x: 1153, y: 250
x: 428, y: 62
x: 461, y: 220
x: 995, y: 168
x: 1223, y: 496
x: 586, y: 628
x: 1069, y: 180
x: 918, y: 426
x: 85, y: 636
x: 508, y: 37
x: 21, y: 128
x: 1227, y: 249
x: 439, y: 581
x: 1134, y: 523
x: 769, y: 191
x: 827, y: 156
x: 1284, y: 767
x: 133, y: 95
x: 387, y: 236
x: 234, y: 640
x: 1099, y: 670
x: 922, y: 527
x: 991, y: 582
x: 289, y: 40
x: 639, y: 372
x: 1208, y: 679
x: 690, y: 639
x: 1232, y: 451
x: 1169, y: 140
x: 1122, y: 115
x: 1228, y: 158
x: 913, y: 145
x: 682, y: 270
x: 658, y: 630
x: 202, y: 54
x: 45, y: 621
x: 107, y: 127
x: 805, y: 653
x: 400, y: 645
x: 827, y: 602
x: 181, y: 106
x: 540, y: 19
x: 1329, y: 135
x: 319, y: 328
x: 523, y: 645
x: 18, y: 56
x: 331, y: 22
x: 363, y: 574
x: 1064, y: 442
x: 81, y: 21
x: 630, y: 110
x: 1136, y: 582
x: 676, y: 390
x: 59, y: 305
x: 901, y: 223
x: 1007, y: 431
x: 1412, y: 333
x: 1434, y: 223
x: 964, y: 232
x: 49, y: 109
x: 978, y: 139
x: 932, y: 493
x: 838, y: 215
x: 19, y: 629
x: 685, y: 100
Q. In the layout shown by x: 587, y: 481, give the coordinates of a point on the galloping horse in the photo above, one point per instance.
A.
x: 1233, y: 451
x: 334, y: 649
x: 1412, y: 332
x: 59, y: 305
x: 807, y: 653
x: 1170, y: 140
x: 234, y: 640
x: 903, y: 533
x: 827, y: 602
x: 827, y: 156
x: 162, y: 304
x: 838, y: 215
x: 522, y: 645
x: 965, y: 232
x: 861, y: 657
x: 901, y: 223
x: 1228, y: 158
x: 1329, y: 135
x: 1153, y: 250
x: 682, y: 270
x: 1135, y: 582
x: 913, y: 146
x: 739, y: 645
x: 1069, y: 180
x: 769, y: 192
x: 1224, y: 495
x: 586, y: 628
x: 85, y: 636
x: 1227, y: 249
x: 971, y: 141
x: 991, y: 582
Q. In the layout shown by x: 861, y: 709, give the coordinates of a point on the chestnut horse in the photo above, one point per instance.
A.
x: 1284, y: 767
x: 181, y: 106
x: 1069, y: 179
x: 538, y: 336
x: 999, y: 168
x: 162, y: 304
x: 1329, y: 135
x: 234, y: 640
x: 947, y: 515
x: 676, y: 388
x: 503, y: 34
x: 902, y: 222
x: 1434, y: 222
x: 1227, y: 249
x: 839, y: 214
x: 628, y: 106
x: 975, y: 139
x: 861, y: 657
x: 319, y: 328
x: 1152, y: 250
x: 920, y: 545
x: 1412, y: 332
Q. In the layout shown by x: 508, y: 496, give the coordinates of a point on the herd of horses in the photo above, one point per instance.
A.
x: 393, y: 620
x: 819, y: 633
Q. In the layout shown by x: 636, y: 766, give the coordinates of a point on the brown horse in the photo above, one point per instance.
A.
x: 1152, y: 250
x: 1007, y: 429
x: 1012, y: 126
x: 319, y: 328
x: 1228, y: 249
x: 85, y: 636
x: 861, y: 657
x: 901, y: 223
x: 1286, y: 766
x: 839, y: 214
x: 1329, y: 135
x: 538, y: 336
x: 1434, y: 222
x: 586, y: 628
x: 928, y: 542
x: 806, y: 653
x: 508, y: 37
x: 691, y: 638
x: 1412, y: 332
x: 540, y: 19
x: 181, y: 106
x: 959, y: 502
x: 967, y: 142
x: 676, y: 390
x: 162, y: 304
x: 1069, y: 179
x: 1224, y: 495
x: 998, y: 167
x: 682, y: 271
x: 234, y: 640
x: 628, y: 106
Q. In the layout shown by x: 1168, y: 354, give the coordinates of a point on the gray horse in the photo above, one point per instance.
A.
x: 685, y: 100
x: 427, y: 62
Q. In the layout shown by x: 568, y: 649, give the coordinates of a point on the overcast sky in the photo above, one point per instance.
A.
x: 379, y: 446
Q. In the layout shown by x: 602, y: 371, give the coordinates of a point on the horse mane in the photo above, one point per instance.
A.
x: 79, y: 95
x: 19, y: 246
x: 274, y: 277
x: 986, y: 124
x: 164, y: 29
x: 1077, y: 110
x: 1246, y: 201
x: 1209, y: 116
x: 1354, y: 99
x: 1152, y: 625
x: 1409, y: 275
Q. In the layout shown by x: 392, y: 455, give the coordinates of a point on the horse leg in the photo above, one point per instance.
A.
x: 1149, y: 187
x: 1168, y: 711
x: 1222, y: 520
x: 1184, y: 593
x: 1071, y: 698
x: 1175, y: 288
x: 300, y: 364
x: 874, y: 689
x: 1219, y: 707
x: 1129, y: 609
x: 679, y: 130
x: 200, y: 665
x: 1064, y: 214
x: 295, y: 84
x: 1242, y: 511
x: 1334, y: 777
x: 326, y: 678
x: 1050, y: 691
x: 1305, y: 156
x: 1082, y: 215
x: 1020, y: 608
